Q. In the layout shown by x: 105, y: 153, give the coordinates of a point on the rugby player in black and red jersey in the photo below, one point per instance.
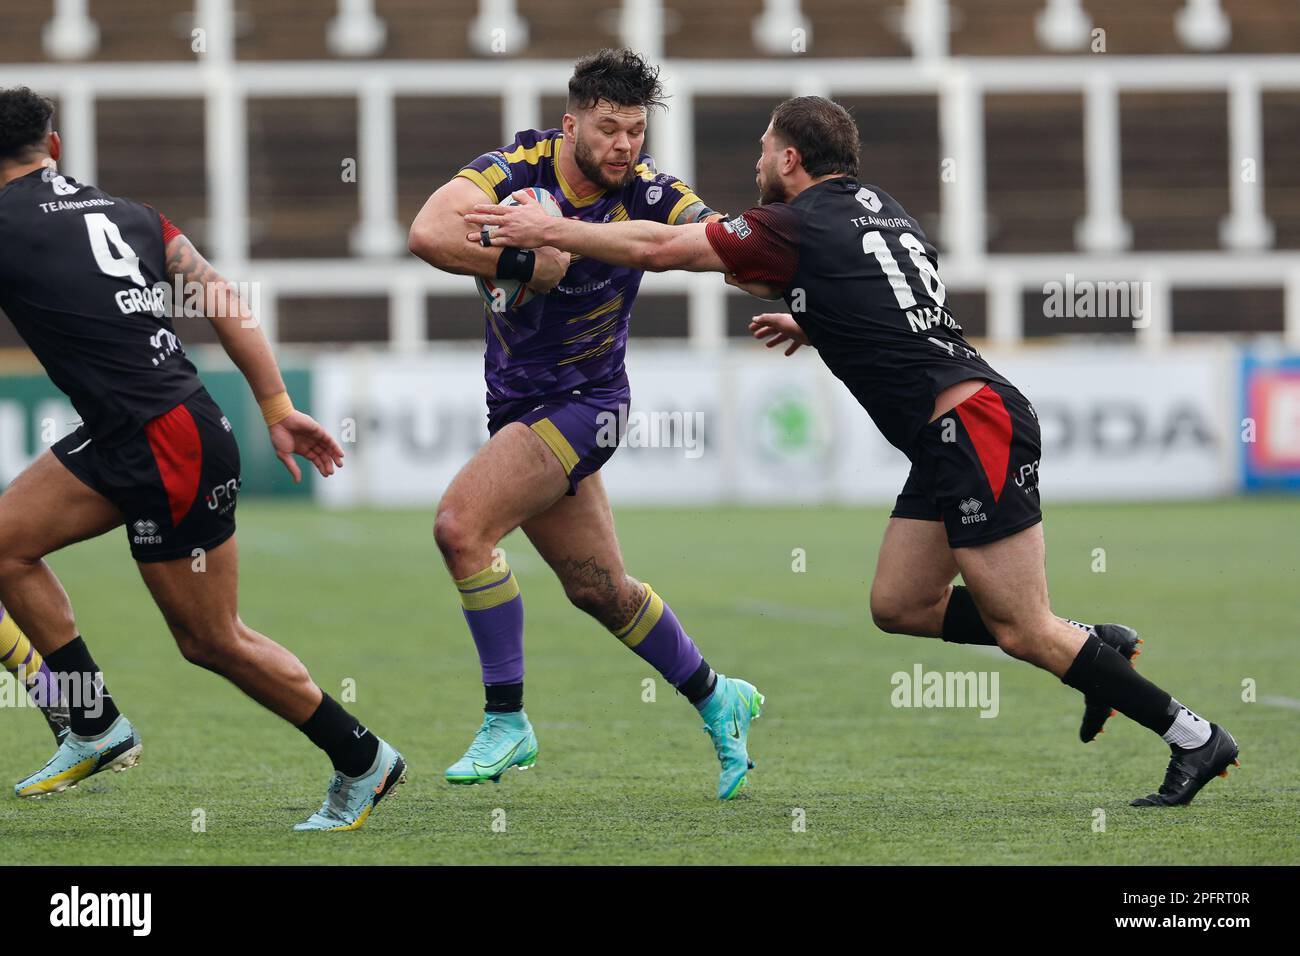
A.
x: 863, y: 285
x: 83, y: 277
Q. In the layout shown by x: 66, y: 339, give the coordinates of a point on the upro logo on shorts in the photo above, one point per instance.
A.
x: 222, y: 498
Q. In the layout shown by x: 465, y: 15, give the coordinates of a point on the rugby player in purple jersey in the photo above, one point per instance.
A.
x: 555, y: 377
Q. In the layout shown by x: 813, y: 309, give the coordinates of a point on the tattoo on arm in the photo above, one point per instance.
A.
x: 219, y: 299
x: 187, y: 262
x: 695, y: 212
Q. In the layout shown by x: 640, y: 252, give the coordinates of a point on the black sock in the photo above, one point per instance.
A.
x: 1100, y: 671
x: 504, y: 698
x: 350, y: 746
x: 91, y: 710
x: 699, y: 685
x: 962, y: 623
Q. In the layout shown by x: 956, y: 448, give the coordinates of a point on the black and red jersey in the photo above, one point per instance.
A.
x: 83, y: 278
x: 862, y: 281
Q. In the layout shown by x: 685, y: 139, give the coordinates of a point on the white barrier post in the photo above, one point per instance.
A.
x: 1245, y: 227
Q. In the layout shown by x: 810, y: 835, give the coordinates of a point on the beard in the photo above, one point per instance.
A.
x: 586, y: 162
x: 770, y: 189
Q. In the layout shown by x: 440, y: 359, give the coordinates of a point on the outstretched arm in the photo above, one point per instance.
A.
x: 638, y: 243
x: 291, y: 432
x: 756, y: 251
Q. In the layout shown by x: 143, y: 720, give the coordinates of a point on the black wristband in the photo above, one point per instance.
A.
x: 516, y: 264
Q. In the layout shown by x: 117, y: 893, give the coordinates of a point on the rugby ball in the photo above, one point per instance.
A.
x: 501, y: 295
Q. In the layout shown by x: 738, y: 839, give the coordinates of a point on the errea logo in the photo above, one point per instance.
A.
x: 970, y: 510
x: 737, y: 227
x: 146, y: 532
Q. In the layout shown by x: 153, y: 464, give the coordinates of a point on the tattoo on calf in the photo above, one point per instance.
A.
x: 594, y: 589
x: 632, y: 601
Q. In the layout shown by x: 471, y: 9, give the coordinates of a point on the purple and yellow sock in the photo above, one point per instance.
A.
x: 656, y: 636
x: 494, y: 611
x: 20, y: 658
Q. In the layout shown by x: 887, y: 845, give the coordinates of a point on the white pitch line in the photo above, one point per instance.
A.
x: 1290, y: 703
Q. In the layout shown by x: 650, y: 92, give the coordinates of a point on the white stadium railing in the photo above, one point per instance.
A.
x: 959, y: 83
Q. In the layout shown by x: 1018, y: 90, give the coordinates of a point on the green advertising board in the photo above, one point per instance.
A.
x: 33, y: 414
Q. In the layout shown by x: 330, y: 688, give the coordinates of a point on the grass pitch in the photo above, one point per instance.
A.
x: 362, y: 596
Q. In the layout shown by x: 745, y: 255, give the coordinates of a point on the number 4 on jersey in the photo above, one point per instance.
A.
x: 103, y: 232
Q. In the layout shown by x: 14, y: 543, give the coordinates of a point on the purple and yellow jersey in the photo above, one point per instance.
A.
x: 577, y: 334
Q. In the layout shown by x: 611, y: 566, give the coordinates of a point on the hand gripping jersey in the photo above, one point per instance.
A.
x: 83, y: 278
x: 577, y: 334
x: 862, y: 281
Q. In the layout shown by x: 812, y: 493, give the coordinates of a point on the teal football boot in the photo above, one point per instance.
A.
x: 77, y: 758
x: 349, y: 800
x: 727, y: 715
x: 502, y: 742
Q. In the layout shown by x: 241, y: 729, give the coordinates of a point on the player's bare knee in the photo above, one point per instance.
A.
x: 1015, y: 640
x: 892, y: 615
x: 443, y: 527
x: 212, y: 647
x: 15, y: 562
x: 886, y: 619
x: 192, y: 647
x: 452, y: 533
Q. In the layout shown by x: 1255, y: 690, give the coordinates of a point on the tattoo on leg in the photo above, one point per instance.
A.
x: 633, y: 598
x: 594, y: 589
x: 585, y: 574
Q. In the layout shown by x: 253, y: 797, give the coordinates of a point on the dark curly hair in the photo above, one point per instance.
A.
x: 823, y: 131
x: 25, y: 118
x: 619, y: 76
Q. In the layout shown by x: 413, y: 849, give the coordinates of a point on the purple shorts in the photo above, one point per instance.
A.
x: 582, y: 427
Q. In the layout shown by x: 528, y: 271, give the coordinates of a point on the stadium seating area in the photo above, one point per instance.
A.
x: 135, y: 30
x: 1174, y: 156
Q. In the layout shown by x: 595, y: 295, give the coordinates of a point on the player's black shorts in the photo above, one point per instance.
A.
x: 976, y: 469
x: 175, y: 480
